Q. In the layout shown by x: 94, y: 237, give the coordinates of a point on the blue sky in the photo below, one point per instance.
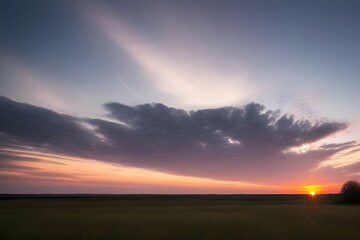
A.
x: 301, y: 57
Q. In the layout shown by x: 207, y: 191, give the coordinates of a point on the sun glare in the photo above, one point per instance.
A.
x: 312, y: 190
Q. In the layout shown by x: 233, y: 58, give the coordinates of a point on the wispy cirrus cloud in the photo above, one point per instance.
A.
x: 32, y: 84
x: 344, y: 159
x: 196, y: 81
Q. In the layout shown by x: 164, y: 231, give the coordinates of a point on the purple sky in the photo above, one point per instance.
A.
x: 178, y: 97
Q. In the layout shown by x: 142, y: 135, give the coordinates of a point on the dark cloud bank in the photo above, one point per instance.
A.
x: 238, y: 143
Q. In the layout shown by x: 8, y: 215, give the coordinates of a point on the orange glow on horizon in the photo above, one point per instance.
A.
x: 70, y: 170
x: 57, y: 170
x: 313, y: 189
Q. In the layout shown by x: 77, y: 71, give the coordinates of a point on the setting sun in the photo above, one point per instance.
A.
x: 313, y: 190
x: 179, y: 119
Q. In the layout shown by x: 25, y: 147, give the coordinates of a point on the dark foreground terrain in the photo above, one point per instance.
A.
x: 177, y: 217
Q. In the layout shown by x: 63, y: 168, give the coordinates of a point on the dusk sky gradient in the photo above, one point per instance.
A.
x: 179, y: 96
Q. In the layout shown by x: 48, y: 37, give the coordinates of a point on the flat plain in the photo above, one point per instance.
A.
x: 177, y: 217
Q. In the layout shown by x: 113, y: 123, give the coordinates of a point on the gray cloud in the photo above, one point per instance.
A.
x: 237, y: 143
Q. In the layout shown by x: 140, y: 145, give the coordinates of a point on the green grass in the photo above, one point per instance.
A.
x: 171, y: 217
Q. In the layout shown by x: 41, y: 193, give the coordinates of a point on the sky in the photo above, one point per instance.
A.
x: 179, y: 96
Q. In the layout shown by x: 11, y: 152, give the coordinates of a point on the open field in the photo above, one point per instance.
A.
x: 177, y: 217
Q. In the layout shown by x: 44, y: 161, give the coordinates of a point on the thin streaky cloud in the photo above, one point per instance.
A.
x: 192, y: 83
x: 36, y: 84
x: 128, y: 89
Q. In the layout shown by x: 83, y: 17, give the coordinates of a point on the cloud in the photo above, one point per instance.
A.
x: 26, y: 125
x: 347, y: 156
x: 41, y: 90
x: 192, y: 81
x: 40, y: 171
x: 250, y: 125
x: 246, y: 143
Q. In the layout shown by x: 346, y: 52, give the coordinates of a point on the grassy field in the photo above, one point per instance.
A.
x: 178, y: 217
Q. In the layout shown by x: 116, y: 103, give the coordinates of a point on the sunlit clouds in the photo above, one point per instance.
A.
x: 345, y: 160
x: 71, y: 171
x: 44, y: 171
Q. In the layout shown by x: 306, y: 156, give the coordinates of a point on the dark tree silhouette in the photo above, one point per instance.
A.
x: 350, y: 192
